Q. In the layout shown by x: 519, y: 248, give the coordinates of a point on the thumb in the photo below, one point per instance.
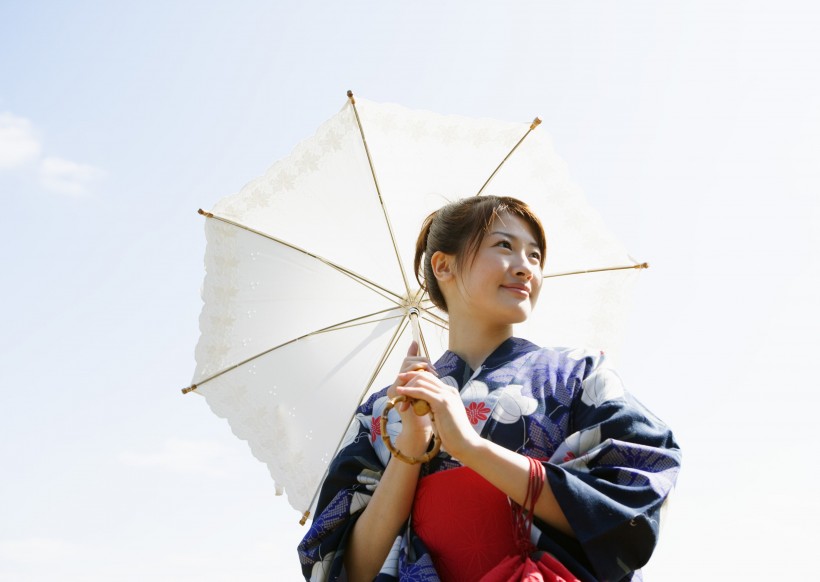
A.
x: 414, y: 349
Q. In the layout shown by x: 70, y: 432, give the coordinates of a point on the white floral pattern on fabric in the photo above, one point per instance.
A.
x: 369, y: 478
x: 353, y: 430
x: 576, y: 445
x: 505, y: 405
x: 391, y: 564
x: 602, y: 385
x: 393, y: 428
x: 513, y: 404
x: 321, y: 570
x: 450, y: 381
x: 474, y: 390
x: 477, y: 401
x: 587, y: 459
x: 359, y: 501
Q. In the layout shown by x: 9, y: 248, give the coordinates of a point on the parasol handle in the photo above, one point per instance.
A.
x: 420, y: 407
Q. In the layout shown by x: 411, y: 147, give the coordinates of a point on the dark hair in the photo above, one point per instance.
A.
x: 458, y: 229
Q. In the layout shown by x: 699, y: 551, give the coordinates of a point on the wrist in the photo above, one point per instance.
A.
x: 412, y: 443
x: 471, y: 450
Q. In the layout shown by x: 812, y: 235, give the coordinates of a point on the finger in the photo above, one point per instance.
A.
x: 418, y: 366
x: 419, y: 381
x: 424, y: 359
x: 391, y: 392
x: 405, y: 377
x: 420, y: 393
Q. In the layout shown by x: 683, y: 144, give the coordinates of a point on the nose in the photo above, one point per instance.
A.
x: 524, y: 268
x: 525, y: 274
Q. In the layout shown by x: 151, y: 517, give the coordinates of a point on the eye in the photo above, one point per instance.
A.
x: 536, y: 255
x: 504, y: 243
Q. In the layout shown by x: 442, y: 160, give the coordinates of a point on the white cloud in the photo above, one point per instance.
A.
x: 36, y: 550
x: 68, y: 177
x: 180, y: 456
x: 18, y: 143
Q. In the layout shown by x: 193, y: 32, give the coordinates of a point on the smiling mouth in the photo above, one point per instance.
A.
x: 517, y: 290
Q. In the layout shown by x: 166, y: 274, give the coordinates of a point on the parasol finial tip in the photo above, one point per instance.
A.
x: 644, y: 265
x: 203, y: 213
x: 190, y: 388
x: 535, y: 123
x: 350, y: 96
x: 305, y: 517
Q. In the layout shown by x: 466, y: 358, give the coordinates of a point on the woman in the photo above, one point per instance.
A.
x: 498, y: 401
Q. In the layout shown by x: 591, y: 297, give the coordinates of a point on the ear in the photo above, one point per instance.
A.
x: 443, y: 266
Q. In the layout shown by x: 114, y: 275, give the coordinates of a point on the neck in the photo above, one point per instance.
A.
x: 473, y: 343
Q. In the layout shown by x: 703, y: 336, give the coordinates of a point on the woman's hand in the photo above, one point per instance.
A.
x: 416, y: 430
x: 507, y: 470
x: 451, y: 422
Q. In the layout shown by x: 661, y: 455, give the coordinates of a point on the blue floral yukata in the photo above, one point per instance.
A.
x: 609, y: 461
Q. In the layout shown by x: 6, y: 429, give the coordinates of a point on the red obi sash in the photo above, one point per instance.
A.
x: 465, y: 522
x: 467, y: 525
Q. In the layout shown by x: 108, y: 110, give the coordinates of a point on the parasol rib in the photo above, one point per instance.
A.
x: 423, y: 298
x: 383, y: 360
x: 636, y: 266
x: 373, y: 286
x: 358, y: 321
x: 437, y: 321
x: 379, y: 193
x: 390, y: 346
x: 535, y: 123
x: 358, y: 324
x: 422, y: 341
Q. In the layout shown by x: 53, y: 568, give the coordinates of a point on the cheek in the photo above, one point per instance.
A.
x: 537, y: 292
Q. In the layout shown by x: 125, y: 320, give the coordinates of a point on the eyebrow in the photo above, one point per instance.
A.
x: 512, y: 236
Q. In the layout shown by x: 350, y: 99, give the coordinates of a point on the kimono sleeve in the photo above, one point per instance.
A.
x: 353, y: 475
x: 613, y: 473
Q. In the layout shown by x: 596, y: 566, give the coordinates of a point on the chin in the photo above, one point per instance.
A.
x: 519, y: 317
x: 522, y: 319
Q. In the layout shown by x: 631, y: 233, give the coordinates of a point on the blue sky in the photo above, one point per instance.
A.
x: 691, y: 126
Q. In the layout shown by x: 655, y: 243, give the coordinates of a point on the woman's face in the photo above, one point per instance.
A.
x: 501, y: 285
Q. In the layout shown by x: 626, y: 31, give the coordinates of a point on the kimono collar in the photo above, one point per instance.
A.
x: 450, y: 364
